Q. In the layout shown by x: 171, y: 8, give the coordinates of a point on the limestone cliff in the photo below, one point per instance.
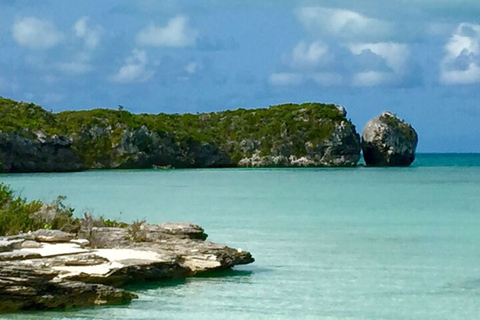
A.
x: 311, y: 134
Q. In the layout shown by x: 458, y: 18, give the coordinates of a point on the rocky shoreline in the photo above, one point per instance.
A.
x: 52, y: 269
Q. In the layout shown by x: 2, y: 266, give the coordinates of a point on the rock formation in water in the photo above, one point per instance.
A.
x: 311, y: 134
x: 388, y: 141
x: 51, y: 269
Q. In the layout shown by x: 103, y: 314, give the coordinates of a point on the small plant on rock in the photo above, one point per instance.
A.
x: 137, y: 231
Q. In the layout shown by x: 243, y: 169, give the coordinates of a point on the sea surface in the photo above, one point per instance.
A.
x: 352, y: 243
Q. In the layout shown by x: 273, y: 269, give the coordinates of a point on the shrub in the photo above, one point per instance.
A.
x: 137, y: 231
x: 18, y: 215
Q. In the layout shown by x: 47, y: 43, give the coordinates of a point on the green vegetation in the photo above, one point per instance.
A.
x: 399, y: 125
x: 19, y: 215
x: 137, y: 232
x: 103, y: 138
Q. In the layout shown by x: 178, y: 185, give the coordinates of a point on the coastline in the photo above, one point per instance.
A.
x: 51, y: 269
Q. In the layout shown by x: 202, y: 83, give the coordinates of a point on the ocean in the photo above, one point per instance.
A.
x: 329, y: 243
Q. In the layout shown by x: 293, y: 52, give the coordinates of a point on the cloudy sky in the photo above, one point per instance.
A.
x: 417, y: 58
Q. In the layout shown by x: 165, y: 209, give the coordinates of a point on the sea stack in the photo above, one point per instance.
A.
x: 389, y: 141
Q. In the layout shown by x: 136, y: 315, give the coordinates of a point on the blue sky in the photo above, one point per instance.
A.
x: 417, y: 58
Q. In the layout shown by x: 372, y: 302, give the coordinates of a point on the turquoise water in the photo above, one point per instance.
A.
x: 358, y: 243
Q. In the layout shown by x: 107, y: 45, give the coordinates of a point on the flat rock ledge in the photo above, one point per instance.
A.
x: 51, y: 269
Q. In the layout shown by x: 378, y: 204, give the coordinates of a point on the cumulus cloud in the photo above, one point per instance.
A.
x: 90, y: 34
x: 176, y: 33
x: 342, y: 23
x: 134, y: 69
x: 363, y: 64
x: 307, y: 62
x: 35, y: 33
x: 310, y: 55
x: 461, y: 63
x: 395, y: 56
x: 348, y: 48
x: 80, y: 62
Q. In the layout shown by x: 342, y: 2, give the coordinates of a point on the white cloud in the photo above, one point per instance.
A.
x: 372, y: 78
x: 90, y: 35
x: 342, y: 23
x: 80, y: 63
x: 134, y: 69
x: 285, y: 79
x: 305, y: 63
x: 395, y: 55
x: 310, y: 55
x: 176, y: 33
x: 461, y: 63
x: 36, y: 34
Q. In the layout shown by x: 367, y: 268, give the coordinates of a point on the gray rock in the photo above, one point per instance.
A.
x: 81, y: 242
x: 8, y: 244
x: 18, y: 255
x: 59, y: 275
x: 31, y: 244
x: 389, y: 141
x: 187, y: 230
x: 28, y: 152
x: 34, y: 287
x: 43, y: 235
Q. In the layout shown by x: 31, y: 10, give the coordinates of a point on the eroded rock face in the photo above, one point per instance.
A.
x: 19, y: 153
x: 35, y: 287
x: 389, y: 141
x: 67, y: 273
x: 310, y: 134
x: 341, y: 149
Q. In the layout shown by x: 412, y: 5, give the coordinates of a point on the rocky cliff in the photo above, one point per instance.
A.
x: 312, y: 134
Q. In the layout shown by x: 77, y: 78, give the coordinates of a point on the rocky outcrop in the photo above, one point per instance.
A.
x: 388, y: 141
x: 311, y: 134
x: 28, y: 152
x: 340, y: 147
x: 48, y: 269
x: 144, y: 148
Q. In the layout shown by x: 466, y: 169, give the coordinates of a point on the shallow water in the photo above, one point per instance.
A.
x: 358, y: 243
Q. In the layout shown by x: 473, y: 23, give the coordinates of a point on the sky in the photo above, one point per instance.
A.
x: 417, y: 58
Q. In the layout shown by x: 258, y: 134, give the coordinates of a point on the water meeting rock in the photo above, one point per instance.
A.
x: 69, y: 273
x: 389, y: 141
